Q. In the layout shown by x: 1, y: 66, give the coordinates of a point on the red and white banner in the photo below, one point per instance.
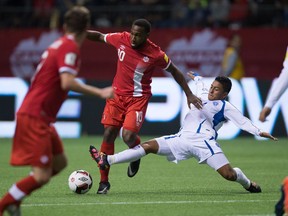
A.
x: 200, y: 50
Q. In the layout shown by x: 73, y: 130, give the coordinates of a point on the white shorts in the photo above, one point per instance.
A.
x: 176, y: 148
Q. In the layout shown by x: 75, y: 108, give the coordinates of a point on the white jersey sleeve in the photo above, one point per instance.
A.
x: 211, y: 117
x: 279, y: 86
x: 233, y: 114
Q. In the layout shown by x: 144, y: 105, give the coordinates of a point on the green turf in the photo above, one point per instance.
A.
x: 160, y: 187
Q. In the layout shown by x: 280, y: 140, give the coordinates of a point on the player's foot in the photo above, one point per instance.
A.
x: 103, y: 188
x: 133, y: 168
x: 100, y: 158
x: 13, y: 210
x: 254, y: 188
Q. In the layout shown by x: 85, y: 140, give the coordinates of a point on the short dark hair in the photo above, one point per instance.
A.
x: 77, y: 19
x: 226, y: 83
x: 143, y: 23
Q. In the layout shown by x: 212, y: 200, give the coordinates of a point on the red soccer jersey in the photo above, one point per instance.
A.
x: 45, y: 95
x: 135, y: 66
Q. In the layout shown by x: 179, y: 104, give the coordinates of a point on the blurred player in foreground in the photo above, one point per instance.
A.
x: 137, y: 59
x: 281, y: 208
x: 276, y: 91
x: 36, y: 142
x: 197, y: 137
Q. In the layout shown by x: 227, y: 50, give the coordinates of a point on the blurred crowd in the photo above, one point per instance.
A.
x: 161, y: 13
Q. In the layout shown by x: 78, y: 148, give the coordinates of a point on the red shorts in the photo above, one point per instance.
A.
x: 35, y: 142
x: 125, y: 111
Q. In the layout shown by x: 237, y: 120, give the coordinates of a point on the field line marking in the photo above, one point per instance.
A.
x: 145, y: 203
x: 254, y: 215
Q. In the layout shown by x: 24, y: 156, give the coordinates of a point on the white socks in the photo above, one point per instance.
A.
x: 128, y: 155
x: 242, y: 179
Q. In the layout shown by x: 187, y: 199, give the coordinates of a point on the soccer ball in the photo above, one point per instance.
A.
x: 80, y: 181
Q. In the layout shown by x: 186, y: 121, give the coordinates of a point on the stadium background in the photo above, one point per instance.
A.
x: 27, y: 27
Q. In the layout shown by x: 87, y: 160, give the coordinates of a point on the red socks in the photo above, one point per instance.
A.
x: 107, y: 148
x: 18, y: 191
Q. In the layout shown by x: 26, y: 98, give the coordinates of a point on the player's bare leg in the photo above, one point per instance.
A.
x: 132, y: 140
x: 236, y: 174
x: 105, y: 161
x: 11, y: 201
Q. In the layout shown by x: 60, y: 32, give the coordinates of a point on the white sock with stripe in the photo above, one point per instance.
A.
x: 128, y: 155
x: 242, y: 178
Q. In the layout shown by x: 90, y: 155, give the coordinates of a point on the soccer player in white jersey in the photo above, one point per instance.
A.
x: 276, y: 91
x: 197, y: 137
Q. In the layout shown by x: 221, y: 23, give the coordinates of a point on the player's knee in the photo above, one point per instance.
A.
x: 149, y: 148
x: 129, y: 139
x: 61, y: 166
x: 110, y: 134
x: 43, y: 178
x: 59, y: 163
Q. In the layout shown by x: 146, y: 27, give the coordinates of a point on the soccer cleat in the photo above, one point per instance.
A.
x: 100, y: 158
x: 254, y: 188
x: 133, y: 168
x: 103, y: 188
x: 13, y: 210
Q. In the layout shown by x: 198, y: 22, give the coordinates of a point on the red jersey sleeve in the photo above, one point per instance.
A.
x: 45, y: 95
x: 163, y: 61
x: 69, y: 58
x: 113, y: 38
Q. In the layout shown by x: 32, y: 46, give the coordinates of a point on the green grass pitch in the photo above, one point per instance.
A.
x: 160, y: 187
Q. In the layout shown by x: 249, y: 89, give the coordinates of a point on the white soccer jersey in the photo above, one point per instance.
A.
x: 211, y: 117
x: 197, y: 137
x: 279, y: 86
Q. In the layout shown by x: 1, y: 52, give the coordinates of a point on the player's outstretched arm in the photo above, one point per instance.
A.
x: 268, y: 135
x: 68, y: 82
x: 95, y: 36
x: 179, y: 78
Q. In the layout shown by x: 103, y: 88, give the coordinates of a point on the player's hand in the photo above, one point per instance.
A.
x: 107, y: 92
x: 264, y: 113
x: 192, y: 74
x: 195, y: 101
x: 268, y: 135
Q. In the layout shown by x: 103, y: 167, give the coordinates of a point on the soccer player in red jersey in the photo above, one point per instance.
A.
x: 281, y: 207
x: 36, y: 142
x: 137, y: 59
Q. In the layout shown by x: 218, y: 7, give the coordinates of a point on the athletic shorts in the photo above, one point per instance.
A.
x: 203, y: 149
x: 35, y: 142
x: 125, y: 111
